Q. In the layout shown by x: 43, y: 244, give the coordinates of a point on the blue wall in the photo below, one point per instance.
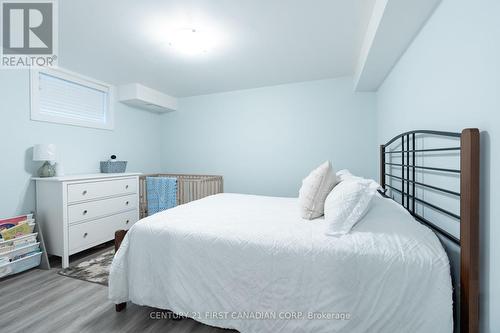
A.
x: 136, y: 138
x: 449, y: 79
x: 265, y: 140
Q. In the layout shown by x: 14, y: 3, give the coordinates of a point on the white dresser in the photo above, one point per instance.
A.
x: 82, y: 211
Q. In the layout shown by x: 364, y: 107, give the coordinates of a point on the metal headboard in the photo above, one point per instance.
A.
x: 468, y: 241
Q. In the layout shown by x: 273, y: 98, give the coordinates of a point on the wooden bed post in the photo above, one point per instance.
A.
x: 119, y: 236
x: 469, y: 231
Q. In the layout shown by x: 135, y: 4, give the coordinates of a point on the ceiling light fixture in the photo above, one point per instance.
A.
x: 192, y: 36
x: 190, y: 41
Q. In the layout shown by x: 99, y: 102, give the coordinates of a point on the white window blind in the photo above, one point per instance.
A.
x: 69, y: 99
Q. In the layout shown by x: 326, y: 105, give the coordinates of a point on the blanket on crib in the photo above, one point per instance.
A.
x: 162, y: 193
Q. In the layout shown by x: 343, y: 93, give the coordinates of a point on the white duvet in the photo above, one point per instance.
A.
x: 251, y: 263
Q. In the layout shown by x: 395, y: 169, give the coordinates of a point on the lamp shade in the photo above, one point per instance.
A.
x: 44, y: 152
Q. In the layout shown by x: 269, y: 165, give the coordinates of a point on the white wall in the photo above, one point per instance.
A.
x: 449, y: 79
x: 136, y: 138
x: 265, y: 140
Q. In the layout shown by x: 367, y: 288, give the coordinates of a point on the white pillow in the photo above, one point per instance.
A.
x: 343, y: 175
x: 315, y: 188
x: 347, y: 203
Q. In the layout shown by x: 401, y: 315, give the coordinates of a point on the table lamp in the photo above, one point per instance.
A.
x: 46, y: 153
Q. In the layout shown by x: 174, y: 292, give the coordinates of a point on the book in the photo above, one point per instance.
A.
x: 16, y: 243
x: 24, y: 255
x: 6, y: 248
x: 13, y: 221
x: 20, y: 229
x: 22, y: 241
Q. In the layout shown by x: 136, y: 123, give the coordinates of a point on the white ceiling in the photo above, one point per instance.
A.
x: 263, y: 42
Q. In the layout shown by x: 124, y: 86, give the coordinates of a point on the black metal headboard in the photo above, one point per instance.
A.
x: 404, y: 173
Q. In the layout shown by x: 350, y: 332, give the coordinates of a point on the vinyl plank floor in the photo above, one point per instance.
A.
x: 41, y: 301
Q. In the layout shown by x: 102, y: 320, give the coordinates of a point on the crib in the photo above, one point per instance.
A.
x: 189, y: 188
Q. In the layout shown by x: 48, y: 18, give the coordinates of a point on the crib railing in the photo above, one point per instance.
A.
x: 189, y: 188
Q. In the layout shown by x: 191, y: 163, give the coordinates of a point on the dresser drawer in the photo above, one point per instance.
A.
x: 85, y: 235
x: 102, y: 189
x: 95, y: 209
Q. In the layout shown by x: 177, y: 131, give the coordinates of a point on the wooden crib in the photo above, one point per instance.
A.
x: 189, y: 188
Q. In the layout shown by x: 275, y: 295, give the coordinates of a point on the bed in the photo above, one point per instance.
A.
x: 251, y: 263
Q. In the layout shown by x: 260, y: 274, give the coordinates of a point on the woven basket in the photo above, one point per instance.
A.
x: 113, y: 166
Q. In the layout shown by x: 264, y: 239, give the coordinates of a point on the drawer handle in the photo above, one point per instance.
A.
x: 126, y: 187
x: 126, y: 203
x: 84, y: 192
x: 85, y: 235
x: 85, y: 212
x: 126, y: 222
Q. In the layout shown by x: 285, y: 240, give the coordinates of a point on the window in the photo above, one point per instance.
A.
x: 66, y: 98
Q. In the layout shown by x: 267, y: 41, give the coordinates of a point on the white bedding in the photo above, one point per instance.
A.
x: 230, y: 259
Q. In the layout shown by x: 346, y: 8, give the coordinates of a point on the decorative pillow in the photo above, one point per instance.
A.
x: 314, y: 190
x: 347, y: 203
x: 343, y: 175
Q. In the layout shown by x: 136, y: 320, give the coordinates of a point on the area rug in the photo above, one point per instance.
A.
x: 94, y: 270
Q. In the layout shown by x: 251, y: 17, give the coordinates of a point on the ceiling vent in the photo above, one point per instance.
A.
x: 142, y: 97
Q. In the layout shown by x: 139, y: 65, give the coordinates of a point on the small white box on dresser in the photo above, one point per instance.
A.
x: 81, y: 211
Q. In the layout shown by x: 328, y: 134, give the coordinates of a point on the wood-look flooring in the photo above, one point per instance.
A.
x: 44, y: 301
